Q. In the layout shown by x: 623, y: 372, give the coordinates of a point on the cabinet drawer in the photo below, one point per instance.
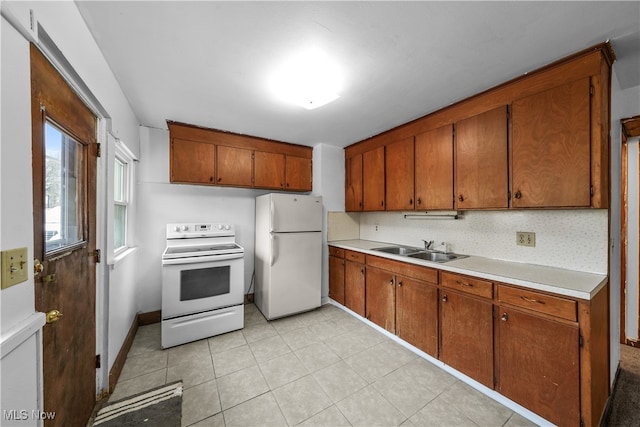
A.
x: 548, y: 304
x: 469, y: 285
x: 337, y: 252
x: 354, y: 256
x: 404, y: 268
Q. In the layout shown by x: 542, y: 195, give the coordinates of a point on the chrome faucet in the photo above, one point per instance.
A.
x: 427, y: 244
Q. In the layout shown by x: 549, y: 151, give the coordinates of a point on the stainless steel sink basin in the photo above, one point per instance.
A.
x: 436, y: 256
x: 398, y: 250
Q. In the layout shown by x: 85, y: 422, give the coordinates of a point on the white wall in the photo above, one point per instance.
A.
x: 161, y: 203
x: 64, y: 25
x: 624, y: 104
x: 631, y: 299
x: 328, y: 182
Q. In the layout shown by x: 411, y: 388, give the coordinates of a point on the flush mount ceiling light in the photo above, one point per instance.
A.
x: 309, y: 80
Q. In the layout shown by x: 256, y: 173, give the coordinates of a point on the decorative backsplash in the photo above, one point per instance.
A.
x: 571, y: 239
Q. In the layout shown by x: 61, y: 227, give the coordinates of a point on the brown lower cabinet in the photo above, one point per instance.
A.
x: 354, y: 289
x: 538, y: 365
x: 466, y: 335
x: 336, y: 278
x: 547, y: 352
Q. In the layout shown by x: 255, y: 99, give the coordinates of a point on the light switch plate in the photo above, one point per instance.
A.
x: 14, y: 267
x: 525, y: 238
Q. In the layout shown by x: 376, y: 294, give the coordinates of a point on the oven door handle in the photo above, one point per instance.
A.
x: 196, y: 260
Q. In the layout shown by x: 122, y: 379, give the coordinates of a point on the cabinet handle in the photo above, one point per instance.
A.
x: 210, y: 179
x: 518, y: 194
x: 444, y: 298
x: 362, y: 271
x: 410, y: 201
x: 382, y: 203
x: 469, y: 285
x: 391, y: 282
x: 527, y: 299
x: 400, y: 283
x: 504, y: 317
x: 219, y: 179
x: 461, y: 198
x: 419, y: 201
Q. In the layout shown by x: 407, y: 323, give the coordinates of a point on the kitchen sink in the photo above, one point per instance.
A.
x: 436, y: 256
x: 398, y: 250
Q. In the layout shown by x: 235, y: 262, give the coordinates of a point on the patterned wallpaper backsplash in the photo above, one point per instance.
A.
x: 571, y: 239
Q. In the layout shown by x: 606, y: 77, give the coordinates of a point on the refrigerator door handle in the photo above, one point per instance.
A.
x: 273, y: 251
x: 271, y: 216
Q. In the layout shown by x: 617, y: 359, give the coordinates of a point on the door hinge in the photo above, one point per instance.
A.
x: 581, y: 422
x: 98, y: 361
x: 495, y: 382
x: 98, y: 150
x: 591, y: 191
x: 97, y: 255
x: 591, y: 90
x: 580, y: 340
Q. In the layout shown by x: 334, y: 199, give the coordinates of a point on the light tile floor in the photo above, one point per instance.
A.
x: 321, y: 368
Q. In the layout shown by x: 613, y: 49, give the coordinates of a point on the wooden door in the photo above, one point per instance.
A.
x: 336, y: 279
x: 353, y: 183
x: 268, y: 170
x: 417, y: 314
x: 373, y: 180
x: 234, y: 166
x: 380, y: 298
x: 354, y: 287
x: 481, y: 161
x: 399, y: 172
x: 434, y: 169
x: 538, y: 363
x: 64, y: 208
x: 298, y: 173
x: 466, y: 335
x: 551, y: 148
x: 192, y: 162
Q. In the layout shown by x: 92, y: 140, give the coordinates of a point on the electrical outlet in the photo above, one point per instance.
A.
x: 525, y: 238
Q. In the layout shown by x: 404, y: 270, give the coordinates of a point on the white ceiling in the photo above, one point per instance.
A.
x: 208, y: 62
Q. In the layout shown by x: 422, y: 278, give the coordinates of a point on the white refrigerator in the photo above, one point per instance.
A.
x: 288, y: 254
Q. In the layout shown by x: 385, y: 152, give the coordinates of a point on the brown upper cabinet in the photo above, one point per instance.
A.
x: 268, y: 170
x: 538, y: 141
x: 481, y: 174
x: 373, y: 180
x: 234, y: 166
x: 208, y: 156
x: 353, y: 183
x: 192, y: 162
x: 434, y: 169
x: 298, y: 173
x: 551, y: 147
x: 399, y: 172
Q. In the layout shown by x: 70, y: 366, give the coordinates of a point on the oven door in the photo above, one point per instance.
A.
x: 198, y: 284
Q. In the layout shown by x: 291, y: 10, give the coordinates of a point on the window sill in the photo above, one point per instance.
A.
x: 121, y: 256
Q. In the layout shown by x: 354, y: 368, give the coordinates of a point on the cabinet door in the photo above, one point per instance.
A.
x: 268, y: 170
x: 466, y: 340
x: 298, y: 173
x: 353, y: 183
x: 234, y: 166
x: 538, y: 364
x: 417, y: 314
x: 399, y: 172
x: 354, y: 287
x: 434, y: 169
x: 481, y: 161
x: 373, y: 179
x: 551, y: 157
x: 192, y: 162
x: 336, y: 279
x: 380, y: 298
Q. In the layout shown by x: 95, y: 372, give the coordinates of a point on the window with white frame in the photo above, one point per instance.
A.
x: 123, y: 172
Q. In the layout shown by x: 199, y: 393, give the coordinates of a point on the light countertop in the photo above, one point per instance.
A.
x: 576, y: 284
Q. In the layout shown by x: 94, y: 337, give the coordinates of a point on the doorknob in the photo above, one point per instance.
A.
x: 53, y: 316
x: 37, y: 266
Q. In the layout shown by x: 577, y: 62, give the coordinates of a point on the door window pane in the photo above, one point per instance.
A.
x: 64, y: 175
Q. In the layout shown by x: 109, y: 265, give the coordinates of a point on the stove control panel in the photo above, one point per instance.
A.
x: 200, y: 229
